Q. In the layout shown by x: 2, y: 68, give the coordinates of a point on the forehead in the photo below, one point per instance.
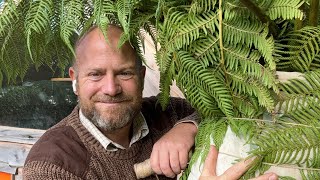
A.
x: 94, y: 50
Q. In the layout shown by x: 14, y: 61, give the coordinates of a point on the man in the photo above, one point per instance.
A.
x: 113, y: 127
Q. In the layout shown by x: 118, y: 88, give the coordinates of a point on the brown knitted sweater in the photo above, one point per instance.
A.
x: 69, y: 151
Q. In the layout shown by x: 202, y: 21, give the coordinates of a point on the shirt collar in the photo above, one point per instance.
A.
x: 139, y: 125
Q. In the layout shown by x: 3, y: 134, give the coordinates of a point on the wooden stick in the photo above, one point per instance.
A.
x: 143, y: 169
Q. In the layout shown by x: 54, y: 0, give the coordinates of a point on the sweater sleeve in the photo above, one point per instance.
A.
x: 177, y: 111
x: 45, y: 170
x: 182, y: 111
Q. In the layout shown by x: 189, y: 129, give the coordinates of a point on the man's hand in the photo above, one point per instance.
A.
x: 170, y: 153
x: 233, y: 173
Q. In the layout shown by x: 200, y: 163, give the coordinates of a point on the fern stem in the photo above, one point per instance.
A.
x: 299, y: 22
x: 279, y: 122
x: 220, y: 34
x: 291, y: 167
x: 314, y: 11
x: 261, y: 15
x: 265, y: 163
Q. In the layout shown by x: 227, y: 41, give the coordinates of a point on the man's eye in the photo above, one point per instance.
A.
x: 126, y: 75
x: 94, y: 75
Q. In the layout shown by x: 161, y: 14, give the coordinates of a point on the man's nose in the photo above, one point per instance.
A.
x: 111, y: 86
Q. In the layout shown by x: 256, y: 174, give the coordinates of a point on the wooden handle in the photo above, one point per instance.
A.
x: 143, y: 169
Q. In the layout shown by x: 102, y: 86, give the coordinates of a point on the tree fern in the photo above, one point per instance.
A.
x: 37, y: 19
x: 9, y: 16
x: 285, y: 9
x: 208, y: 81
x: 242, y: 32
x: 298, y: 49
x: 101, y: 11
x: 242, y: 84
x: 206, y: 50
x: 299, y: 93
x: 292, y: 145
x: 70, y: 20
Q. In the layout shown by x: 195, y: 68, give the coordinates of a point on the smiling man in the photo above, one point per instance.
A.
x: 113, y: 127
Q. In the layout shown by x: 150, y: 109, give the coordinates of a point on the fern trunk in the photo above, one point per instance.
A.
x: 314, y: 12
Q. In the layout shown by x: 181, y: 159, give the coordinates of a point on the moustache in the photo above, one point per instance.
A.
x: 110, y: 99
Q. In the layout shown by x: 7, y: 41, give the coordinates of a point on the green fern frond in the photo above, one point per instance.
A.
x: 309, y: 175
x: 234, y: 8
x: 199, y: 98
x: 15, y: 62
x: 245, y: 60
x: 206, y: 50
x: 242, y: 128
x: 211, y: 84
x: 219, y: 131
x: 209, y: 128
x: 37, y: 19
x: 292, y: 145
x: 60, y: 54
x: 123, y: 9
x: 202, y: 6
x: 70, y: 20
x: 307, y: 113
x: 309, y: 85
x: 315, y: 64
x: 167, y: 30
x: 202, y: 143
x: 251, y: 33
x: 248, y: 106
x: 8, y: 16
x: 299, y: 48
x: 286, y: 9
x: 192, y: 27
x: 242, y: 84
x: 101, y: 11
x: 165, y: 83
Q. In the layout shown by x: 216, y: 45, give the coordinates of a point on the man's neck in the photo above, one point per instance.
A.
x: 120, y: 136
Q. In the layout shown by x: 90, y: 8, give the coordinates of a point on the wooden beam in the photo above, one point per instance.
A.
x: 20, y: 135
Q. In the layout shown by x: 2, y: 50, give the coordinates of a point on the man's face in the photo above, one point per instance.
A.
x: 109, y: 84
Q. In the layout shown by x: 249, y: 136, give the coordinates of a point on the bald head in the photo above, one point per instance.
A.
x: 94, y: 39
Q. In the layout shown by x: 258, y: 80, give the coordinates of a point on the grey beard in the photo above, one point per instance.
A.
x: 110, y: 126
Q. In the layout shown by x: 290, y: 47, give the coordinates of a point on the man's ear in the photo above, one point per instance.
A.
x: 74, y: 87
x: 142, y: 74
x: 72, y: 75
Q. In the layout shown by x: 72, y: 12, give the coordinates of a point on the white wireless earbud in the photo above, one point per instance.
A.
x: 74, y: 83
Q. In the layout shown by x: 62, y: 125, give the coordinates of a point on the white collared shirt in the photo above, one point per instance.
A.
x: 139, y: 128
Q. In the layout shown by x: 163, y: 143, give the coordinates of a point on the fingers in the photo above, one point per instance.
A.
x: 160, y: 163
x: 267, y: 176
x: 174, y: 162
x: 183, y: 159
x: 154, y: 161
x: 237, y: 170
x: 210, y: 164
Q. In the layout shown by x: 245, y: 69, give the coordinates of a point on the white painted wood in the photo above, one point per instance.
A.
x: 19, y: 135
x: 15, y: 144
x: 13, y: 156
